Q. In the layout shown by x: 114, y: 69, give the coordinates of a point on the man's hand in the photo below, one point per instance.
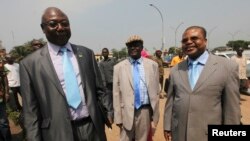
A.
x: 119, y: 125
x: 168, y: 135
x: 153, y: 128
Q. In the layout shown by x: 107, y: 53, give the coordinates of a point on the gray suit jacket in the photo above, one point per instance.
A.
x: 123, y: 93
x: 215, y: 99
x: 46, y: 115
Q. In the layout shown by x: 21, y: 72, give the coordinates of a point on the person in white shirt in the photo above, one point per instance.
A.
x: 241, y: 60
x: 14, y: 82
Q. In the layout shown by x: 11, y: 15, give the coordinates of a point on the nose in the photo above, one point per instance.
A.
x: 60, y: 27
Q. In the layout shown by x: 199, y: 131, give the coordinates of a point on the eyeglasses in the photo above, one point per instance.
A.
x: 55, y: 24
x: 134, y: 44
x: 193, y: 39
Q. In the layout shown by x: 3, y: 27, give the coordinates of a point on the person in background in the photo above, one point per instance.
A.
x: 241, y: 60
x: 135, y: 93
x: 145, y: 54
x: 61, y: 87
x: 3, y: 54
x: 36, y: 44
x: 107, y: 69
x: 177, y: 59
x: 5, y: 134
x: 203, y: 90
x: 14, y: 82
x: 160, y: 62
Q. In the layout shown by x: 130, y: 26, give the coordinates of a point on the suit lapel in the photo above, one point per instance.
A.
x: 146, y: 71
x: 81, y: 59
x: 128, y: 71
x: 208, y: 69
x: 49, y: 69
x: 183, y: 71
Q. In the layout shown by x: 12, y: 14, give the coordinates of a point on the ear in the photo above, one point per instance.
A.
x: 42, y: 26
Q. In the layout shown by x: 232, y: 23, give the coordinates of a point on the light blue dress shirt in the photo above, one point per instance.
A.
x: 201, y: 63
x: 143, y: 85
x: 57, y: 60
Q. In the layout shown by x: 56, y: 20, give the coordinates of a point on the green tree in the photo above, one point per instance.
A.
x: 173, y: 50
x: 238, y: 43
x: 120, y: 54
x: 115, y: 53
x: 21, y: 51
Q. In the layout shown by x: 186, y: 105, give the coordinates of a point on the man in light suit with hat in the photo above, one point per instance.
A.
x: 135, y: 93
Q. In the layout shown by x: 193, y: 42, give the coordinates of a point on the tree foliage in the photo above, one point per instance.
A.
x: 173, y: 50
x: 120, y: 54
x: 238, y: 43
x: 21, y: 51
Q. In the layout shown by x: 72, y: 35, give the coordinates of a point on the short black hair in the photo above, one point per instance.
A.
x: 204, y: 32
x: 105, y: 49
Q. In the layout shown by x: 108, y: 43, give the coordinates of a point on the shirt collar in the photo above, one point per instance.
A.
x: 131, y: 60
x: 201, y: 60
x: 55, y: 49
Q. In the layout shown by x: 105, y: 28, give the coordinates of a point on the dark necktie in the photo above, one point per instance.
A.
x: 72, y: 89
x: 136, y: 78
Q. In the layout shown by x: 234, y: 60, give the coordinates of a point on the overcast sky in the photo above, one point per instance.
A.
x: 108, y: 23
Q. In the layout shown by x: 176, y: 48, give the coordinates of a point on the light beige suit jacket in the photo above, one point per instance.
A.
x: 123, y: 93
x: 215, y: 99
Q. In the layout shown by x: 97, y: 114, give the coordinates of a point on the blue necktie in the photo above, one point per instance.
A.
x: 136, y: 77
x: 194, y: 74
x: 71, y: 84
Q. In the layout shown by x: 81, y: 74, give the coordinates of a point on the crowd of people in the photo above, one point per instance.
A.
x: 10, y: 89
x: 68, y: 96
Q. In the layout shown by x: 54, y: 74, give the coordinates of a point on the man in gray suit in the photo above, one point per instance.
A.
x: 197, y: 97
x: 49, y: 115
x: 135, y: 93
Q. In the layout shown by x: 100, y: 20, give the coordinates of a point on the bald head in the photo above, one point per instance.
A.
x: 55, y: 25
x: 52, y: 11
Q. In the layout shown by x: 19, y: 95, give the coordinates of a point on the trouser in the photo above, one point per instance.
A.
x: 161, y: 81
x: 5, y: 134
x: 110, y: 90
x: 110, y: 86
x: 243, y: 85
x: 14, y: 103
x: 84, y: 130
x: 141, y: 126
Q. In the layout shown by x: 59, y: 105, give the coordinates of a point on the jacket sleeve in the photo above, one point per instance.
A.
x: 103, y: 96
x: 116, y: 96
x: 169, y: 105
x: 231, y: 96
x: 30, y: 105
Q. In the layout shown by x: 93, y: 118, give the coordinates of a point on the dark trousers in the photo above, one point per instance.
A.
x: 5, y: 134
x: 110, y: 89
x: 14, y: 103
x: 84, y: 130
